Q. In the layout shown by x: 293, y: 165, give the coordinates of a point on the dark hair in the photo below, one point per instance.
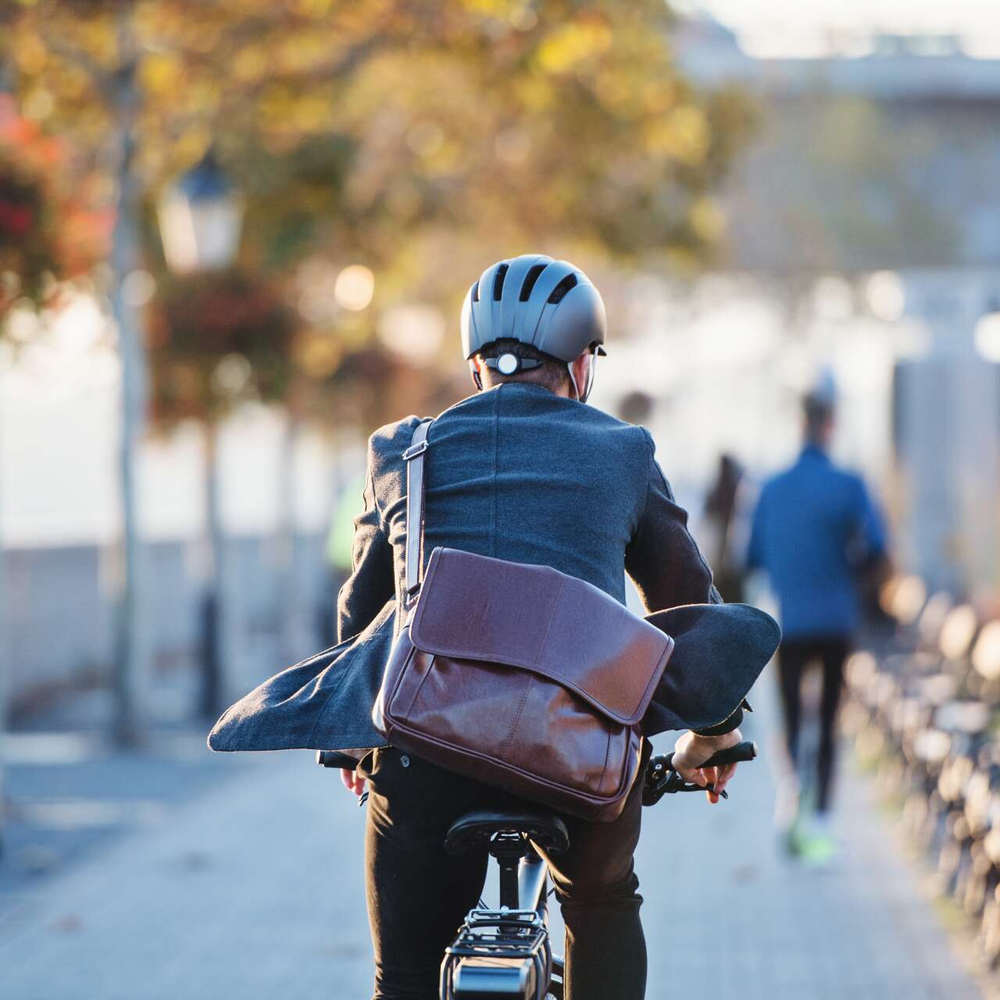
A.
x: 819, y: 410
x: 551, y: 373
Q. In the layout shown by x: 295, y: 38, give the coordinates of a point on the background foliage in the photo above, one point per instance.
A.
x: 422, y: 140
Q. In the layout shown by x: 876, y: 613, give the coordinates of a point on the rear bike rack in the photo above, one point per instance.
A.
x: 498, y: 953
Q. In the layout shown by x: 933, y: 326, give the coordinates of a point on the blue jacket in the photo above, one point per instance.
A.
x: 813, y: 527
x: 521, y: 474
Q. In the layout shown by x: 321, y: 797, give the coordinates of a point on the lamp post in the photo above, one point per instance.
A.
x: 201, y: 219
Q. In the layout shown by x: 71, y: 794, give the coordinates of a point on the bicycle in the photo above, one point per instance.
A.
x: 506, y: 952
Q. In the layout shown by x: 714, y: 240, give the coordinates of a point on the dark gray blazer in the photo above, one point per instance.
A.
x: 516, y: 473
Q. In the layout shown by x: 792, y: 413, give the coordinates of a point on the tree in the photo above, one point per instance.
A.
x: 45, y: 230
x: 357, y: 126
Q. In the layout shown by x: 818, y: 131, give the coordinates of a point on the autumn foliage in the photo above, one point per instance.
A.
x: 44, y: 230
x: 419, y: 139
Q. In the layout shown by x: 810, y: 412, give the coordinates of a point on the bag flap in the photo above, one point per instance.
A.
x: 473, y: 607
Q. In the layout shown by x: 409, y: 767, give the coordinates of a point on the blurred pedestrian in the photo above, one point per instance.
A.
x: 814, y: 528
x: 723, y: 522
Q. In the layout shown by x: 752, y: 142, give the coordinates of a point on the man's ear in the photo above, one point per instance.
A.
x: 580, y: 371
x: 475, y: 370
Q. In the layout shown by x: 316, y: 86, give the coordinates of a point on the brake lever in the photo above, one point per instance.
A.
x: 662, y: 780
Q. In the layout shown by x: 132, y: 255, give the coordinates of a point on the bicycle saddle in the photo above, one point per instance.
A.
x: 474, y: 830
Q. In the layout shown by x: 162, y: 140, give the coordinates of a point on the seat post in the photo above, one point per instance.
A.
x: 508, y: 848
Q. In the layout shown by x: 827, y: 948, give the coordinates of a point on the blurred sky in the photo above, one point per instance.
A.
x: 793, y: 28
x: 906, y: 16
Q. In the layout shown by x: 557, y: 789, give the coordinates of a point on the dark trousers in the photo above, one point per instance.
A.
x: 418, y: 895
x: 794, y: 657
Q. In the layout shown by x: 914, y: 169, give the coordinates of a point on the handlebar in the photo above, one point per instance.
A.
x: 747, y: 750
x: 332, y: 758
x: 662, y: 779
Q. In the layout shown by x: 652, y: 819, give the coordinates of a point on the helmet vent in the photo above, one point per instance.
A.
x: 529, y: 281
x: 559, y: 292
x: 498, y: 281
x: 475, y: 292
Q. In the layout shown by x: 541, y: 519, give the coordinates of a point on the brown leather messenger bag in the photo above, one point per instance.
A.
x: 520, y: 676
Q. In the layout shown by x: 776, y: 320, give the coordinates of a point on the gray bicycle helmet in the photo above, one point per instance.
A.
x: 549, y: 304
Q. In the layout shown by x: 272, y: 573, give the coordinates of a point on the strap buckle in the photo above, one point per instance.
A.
x: 414, y: 450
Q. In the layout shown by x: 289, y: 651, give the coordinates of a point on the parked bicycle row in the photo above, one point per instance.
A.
x: 925, y: 710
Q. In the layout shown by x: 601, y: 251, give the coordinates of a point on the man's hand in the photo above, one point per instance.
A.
x: 693, y: 750
x: 352, y: 782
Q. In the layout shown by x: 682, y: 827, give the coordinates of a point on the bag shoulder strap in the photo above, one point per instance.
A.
x: 415, y: 491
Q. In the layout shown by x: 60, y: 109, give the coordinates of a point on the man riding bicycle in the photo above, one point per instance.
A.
x: 521, y: 471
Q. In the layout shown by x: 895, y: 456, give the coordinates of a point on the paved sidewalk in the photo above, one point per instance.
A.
x: 255, y: 891
x: 735, y: 920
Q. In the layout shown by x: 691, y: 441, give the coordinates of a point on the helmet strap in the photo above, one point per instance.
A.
x: 572, y: 380
x: 585, y: 395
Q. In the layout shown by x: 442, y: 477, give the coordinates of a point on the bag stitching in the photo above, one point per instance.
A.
x: 548, y: 625
x: 607, y: 754
x: 408, y: 667
x: 517, y: 719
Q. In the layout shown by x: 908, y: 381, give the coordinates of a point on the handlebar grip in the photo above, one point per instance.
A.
x: 747, y: 750
x: 661, y: 778
x: 331, y: 758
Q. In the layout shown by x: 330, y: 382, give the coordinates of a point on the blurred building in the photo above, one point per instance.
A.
x: 864, y: 236
x: 58, y: 418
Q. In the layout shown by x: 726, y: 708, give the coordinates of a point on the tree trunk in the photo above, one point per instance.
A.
x: 6, y: 87
x: 131, y: 649
x: 214, y: 645
x: 289, y: 606
x: 5, y: 672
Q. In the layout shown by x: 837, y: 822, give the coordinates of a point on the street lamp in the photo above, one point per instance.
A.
x: 201, y: 218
